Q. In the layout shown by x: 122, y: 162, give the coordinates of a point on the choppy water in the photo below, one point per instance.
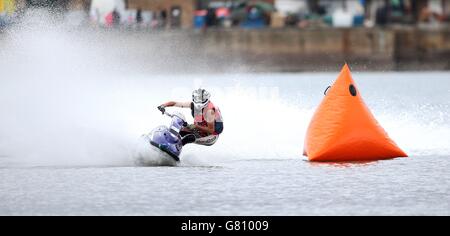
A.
x: 414, y: 186
x: 72, y: 110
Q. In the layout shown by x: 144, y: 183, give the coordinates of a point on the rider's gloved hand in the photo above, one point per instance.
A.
x: 162, y: 108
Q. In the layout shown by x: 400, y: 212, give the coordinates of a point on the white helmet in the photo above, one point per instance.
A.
x: 200, y: 98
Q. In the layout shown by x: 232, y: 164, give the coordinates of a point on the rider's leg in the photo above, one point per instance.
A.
x: 207, y: 140
x: 184, y: 133
x: 194, y: 136
x: 189, y: 138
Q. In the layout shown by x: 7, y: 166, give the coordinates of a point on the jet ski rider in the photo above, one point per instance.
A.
x: 208, y: 122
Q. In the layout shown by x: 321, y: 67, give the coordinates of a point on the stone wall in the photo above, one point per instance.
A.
x: 297, y: 50
x: 422, y: 48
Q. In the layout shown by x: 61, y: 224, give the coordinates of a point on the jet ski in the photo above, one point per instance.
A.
x: 168, y: 139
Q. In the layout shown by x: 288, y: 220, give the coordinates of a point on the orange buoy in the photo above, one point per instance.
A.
x: 344, y: 129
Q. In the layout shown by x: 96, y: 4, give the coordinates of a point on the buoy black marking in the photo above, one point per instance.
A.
x: 352, y: 90
x: 326, y: 90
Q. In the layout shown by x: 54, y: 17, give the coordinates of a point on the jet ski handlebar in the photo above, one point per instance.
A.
x: 168, y: 114
x: 164, y: 112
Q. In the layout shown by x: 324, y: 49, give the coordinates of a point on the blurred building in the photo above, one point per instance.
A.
x: 173, y: 13
x: 8, y: 12
x: 351, y: 13
x: 11, y: 6
x: 7, y: 7
x: 246, y: 13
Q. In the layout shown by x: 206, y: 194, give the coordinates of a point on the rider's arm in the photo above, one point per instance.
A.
x: 177, y: 104
x: 209, y: 130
